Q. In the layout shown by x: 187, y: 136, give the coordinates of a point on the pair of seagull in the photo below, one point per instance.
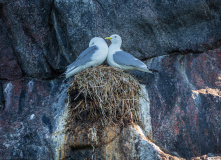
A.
x: 98, y: 51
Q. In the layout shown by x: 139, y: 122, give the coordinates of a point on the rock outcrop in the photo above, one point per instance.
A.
x: 130, y: 143
x: 185, y: 95
x: 180, y: 39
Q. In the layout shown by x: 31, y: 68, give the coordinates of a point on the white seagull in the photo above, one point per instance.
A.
x: 94, y: 55
x: 123, y: 60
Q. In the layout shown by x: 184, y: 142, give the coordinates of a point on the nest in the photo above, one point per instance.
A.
x: 104, y: 95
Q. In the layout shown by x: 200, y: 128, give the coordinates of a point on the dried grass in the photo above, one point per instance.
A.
x: 104, y: 95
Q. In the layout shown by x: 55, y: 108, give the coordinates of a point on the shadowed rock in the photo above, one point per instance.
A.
x: 9, y: 67
x: 2, y: 99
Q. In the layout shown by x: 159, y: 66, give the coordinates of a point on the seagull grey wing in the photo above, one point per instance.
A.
x: 83, y: 58
x: 124, y: 58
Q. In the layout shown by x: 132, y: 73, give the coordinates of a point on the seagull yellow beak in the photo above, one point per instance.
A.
x: 108, y: 38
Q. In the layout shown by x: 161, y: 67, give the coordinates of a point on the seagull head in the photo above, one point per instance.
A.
x: 97, y: 41
x: 115, y: 39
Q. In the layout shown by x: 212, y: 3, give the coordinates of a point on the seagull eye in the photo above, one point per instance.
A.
x: 92, y: 43
x: 115, y: 36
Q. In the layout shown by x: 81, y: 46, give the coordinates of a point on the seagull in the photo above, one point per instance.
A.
x: 121, y: 59
x: 94, y: 55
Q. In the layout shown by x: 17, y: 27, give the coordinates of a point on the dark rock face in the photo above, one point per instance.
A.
x: 9, y: 67
x: 148, y: 28
x: 33, y: 37
x: 2, y: 99
x: 38, y: 39
x: 185, y: 100
x: 47, y: 35
x: 29, y: 117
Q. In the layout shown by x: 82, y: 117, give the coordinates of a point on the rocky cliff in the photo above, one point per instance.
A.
x: 180, y: 39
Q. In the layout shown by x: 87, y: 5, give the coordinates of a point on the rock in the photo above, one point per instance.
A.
x: 207, y: 157
x: 130, y: 143
x: 34, y: 38
x: 2, y: 100
x: 9, y: 67
x: 29, y: 118
x: 48, y: 35
x: 148, y: 28
x: 185, y: 103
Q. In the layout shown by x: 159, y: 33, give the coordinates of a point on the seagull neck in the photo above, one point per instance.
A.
x: 115, y: 46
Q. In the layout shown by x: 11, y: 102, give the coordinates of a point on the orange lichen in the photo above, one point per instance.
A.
x: 207, y: 90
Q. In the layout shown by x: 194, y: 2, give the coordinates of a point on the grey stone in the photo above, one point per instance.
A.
x: 2, y: 99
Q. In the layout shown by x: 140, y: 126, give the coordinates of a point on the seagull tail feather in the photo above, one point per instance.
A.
x: 73, y: 71
x: 145, y: 70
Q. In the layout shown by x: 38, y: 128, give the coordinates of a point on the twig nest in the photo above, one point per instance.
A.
x: 104, y: 95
